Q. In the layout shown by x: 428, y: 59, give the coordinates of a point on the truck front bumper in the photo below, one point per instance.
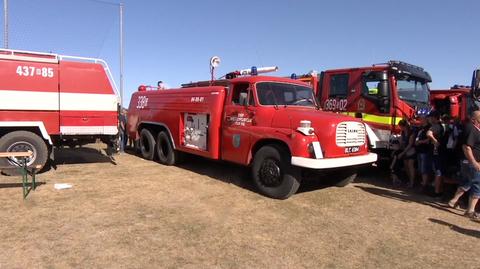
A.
x: 333, y: 162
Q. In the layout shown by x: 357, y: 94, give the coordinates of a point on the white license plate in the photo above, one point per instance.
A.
x: 352, y: 149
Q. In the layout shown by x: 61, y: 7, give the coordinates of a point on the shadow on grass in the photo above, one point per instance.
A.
x: 19, y: 185
x: 456, y: 228
x: 222, y: 171
x: 409, y: 197
x: 80, y: 155
x: 230, y: 173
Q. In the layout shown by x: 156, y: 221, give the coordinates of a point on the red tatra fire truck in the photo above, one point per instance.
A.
x: 271, y: 124
x: 47, y: 100
x: 381, y: 95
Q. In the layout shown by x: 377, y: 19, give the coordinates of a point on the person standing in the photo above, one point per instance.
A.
x: 404, y: 155
x: 408, y: 151
x: 470, y: 167
x: 123, y: 129
x: 422, y: 149
x: 436, y: 149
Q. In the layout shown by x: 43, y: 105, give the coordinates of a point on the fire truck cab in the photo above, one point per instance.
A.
x: 381, y: 95
x: 271, y: 124
x: 459, y: 101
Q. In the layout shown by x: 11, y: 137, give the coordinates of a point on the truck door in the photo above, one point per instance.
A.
x: 336, y: 91
x: 374, y: 102
x: 237, y: 124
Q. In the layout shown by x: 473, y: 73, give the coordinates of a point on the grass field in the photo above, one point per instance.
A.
x: 132, y: 213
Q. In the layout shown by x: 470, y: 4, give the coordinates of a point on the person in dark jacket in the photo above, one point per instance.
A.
x: 422, y: 149
x: 405, y: 155
x: 436, y: 149
x: 470, y: 167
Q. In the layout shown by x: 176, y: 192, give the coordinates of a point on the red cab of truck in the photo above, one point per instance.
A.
x: 457, y: 102
x: 381, y: 95
x: 49, y: 100
x: 271, y: 124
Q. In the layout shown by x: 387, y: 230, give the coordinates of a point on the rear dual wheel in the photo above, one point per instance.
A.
x: 167, y: 155
x: 162, y: 147
x: 147, y: 144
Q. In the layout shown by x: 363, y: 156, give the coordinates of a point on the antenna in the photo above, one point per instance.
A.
x: 214, y: 63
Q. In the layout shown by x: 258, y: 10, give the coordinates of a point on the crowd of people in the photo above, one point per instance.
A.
x: 439, y: 149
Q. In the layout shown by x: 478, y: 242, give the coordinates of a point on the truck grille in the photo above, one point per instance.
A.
x: 350, y: 134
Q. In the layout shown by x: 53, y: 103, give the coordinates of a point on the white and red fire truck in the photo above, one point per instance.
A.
x: 47, y: 100
x: 271, y: 124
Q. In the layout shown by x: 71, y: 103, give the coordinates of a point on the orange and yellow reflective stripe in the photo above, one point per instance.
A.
x: 388, y: 120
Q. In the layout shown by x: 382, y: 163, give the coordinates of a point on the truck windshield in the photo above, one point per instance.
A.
x: 275, y: 93
x: 413, y: 91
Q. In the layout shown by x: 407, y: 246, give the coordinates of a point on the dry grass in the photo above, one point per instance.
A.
x: 139, y: 214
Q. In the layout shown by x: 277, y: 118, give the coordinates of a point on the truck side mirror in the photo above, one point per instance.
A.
x: 476, y: 84
x: 476, y: 80
x: 383, y: 88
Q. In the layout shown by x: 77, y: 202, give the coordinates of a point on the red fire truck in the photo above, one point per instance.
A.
x: 381, y: 95
x: 457, y: 102
x: 271, y: 124
x: 47, y: 100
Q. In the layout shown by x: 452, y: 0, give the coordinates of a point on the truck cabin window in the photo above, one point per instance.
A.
x: 274, y: 93
x: 413, y: 91
x: 339, y: 86
x: 240, y: 95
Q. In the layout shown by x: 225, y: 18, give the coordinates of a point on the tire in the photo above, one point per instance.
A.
x: 273, y: 175
x: 23, y: 141
x: 165, y: 152
x: 147, y: 144
x: 343, y: 178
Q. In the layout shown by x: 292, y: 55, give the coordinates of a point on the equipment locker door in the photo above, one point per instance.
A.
x: 88, y: 104
x: 236, y: 138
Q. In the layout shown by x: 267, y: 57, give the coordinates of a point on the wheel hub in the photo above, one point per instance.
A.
x: 270, y: 173
x: 22, y: 146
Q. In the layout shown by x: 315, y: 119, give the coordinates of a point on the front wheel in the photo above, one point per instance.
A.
x: 21, y: 141
x: 273, y: 174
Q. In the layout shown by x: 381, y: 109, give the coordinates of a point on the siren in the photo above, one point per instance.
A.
x: 255, y: 71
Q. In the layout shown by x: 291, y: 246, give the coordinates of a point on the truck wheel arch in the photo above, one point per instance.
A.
x: 33, y: 126
x: 264, y: 142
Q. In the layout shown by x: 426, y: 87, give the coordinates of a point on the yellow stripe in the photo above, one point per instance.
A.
x: 375, y: 118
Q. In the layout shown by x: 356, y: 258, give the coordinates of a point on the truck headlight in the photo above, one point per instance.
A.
x: 306, y: 127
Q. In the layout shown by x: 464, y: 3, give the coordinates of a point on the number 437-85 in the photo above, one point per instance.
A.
x: 30, y: 71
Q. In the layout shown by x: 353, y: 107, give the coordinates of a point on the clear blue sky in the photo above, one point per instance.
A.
x: 173, y: 40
